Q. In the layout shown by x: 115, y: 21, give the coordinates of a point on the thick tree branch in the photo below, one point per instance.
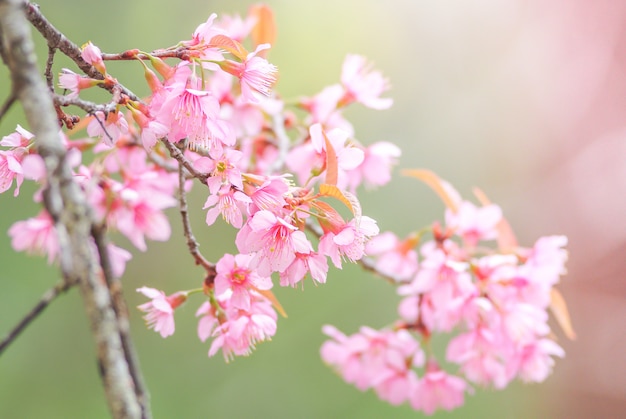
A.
x: 67, y: 205
x: 98, y: 233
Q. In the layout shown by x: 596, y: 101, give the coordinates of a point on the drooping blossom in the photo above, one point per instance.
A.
x: 255, y: 73
x: 437, y: 389
x: 273, y: 240
x: 393, y: 257
x: 11, y: 160
x: 109, y: 128
x: 160, y: 309
x: 151, y: 129
x: 312, y: 263
x: 324, y: 108
x: 236, y: 27
x: 193, y: 113
x: 381, y: 360
x: 348, y: 241
x: 36, y: 235
x: 228, y: 202
x: 235, y: 331
x: 375, y: 170
x: 234, y: 274
x: 474, y: 224
x: 269, y: 195
x: 362, y: 84
x: 137, y: 212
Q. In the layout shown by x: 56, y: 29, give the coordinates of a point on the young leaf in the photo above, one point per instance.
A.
x: 446, y: 192
x: 346, y: 197
x: 559, y: 308
x: 230, y: 45
x: 264, y: 32
x: 331, y: 162
x: 270, y: 296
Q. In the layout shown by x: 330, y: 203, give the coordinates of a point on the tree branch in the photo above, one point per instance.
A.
x: 180, y: 157
x: 98, y: 233
x: 56, y: 40
x: 45, y: 300
x: 67, y: 205
x: 192, y: 244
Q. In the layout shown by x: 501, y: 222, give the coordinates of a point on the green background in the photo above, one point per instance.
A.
x: 470, y: 103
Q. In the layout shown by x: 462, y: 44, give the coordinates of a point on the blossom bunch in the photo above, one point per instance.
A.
x: 286, y: 175
x: 473, y: 284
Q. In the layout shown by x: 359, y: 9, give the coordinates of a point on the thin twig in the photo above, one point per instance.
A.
x: 180, y: 157
x: 48, y: 72
x: 87, y: 106
x: 7, y: 104
x: 45, y: 300
x: 365, y: 262
x: 192, y: 244
x: 57, y: 40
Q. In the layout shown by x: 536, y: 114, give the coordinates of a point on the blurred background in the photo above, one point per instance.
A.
x: 525, y: 99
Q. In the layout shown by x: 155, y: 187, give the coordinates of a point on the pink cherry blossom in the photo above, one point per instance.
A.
x: 75, y: 83
x: 230, y: 203
x: 240, y: 330
x: 273, y: 240
x: 93, y: 56
x: 151, y: 129
x: 533, y: 362
x: 256, y: 74
x: 201, y: 41
x: 270, y: 195
x: 348, y: 241
x: 474, y: 224
x: 375, y: 359
x: 193, y: 113
x: 11, y: 160
x: 36, y: 235
x: 236, y: 27
x: 479, y: 354
x: 160, y: 310
x: 118, y: 258
x: 323, y: 108
x: 109, y: 129
x: 362, y: 84
x: 393, y: 257
x: 375, y: 170
x: 235, y: 275
x: 137, y: 212
x: 221, y: 169
x: 11, y: 168
x: 438, y: 389
x: 304, y: 263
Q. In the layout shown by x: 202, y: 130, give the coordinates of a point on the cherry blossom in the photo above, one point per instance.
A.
x: 160, y: 309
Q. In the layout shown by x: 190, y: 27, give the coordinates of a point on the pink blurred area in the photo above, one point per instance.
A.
x: 584, y: 177
x: 567, y: 60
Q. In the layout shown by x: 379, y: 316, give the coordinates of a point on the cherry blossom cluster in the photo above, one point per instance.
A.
x: 490, y: 302
x: 213, y: 116
x: 285, y: 175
